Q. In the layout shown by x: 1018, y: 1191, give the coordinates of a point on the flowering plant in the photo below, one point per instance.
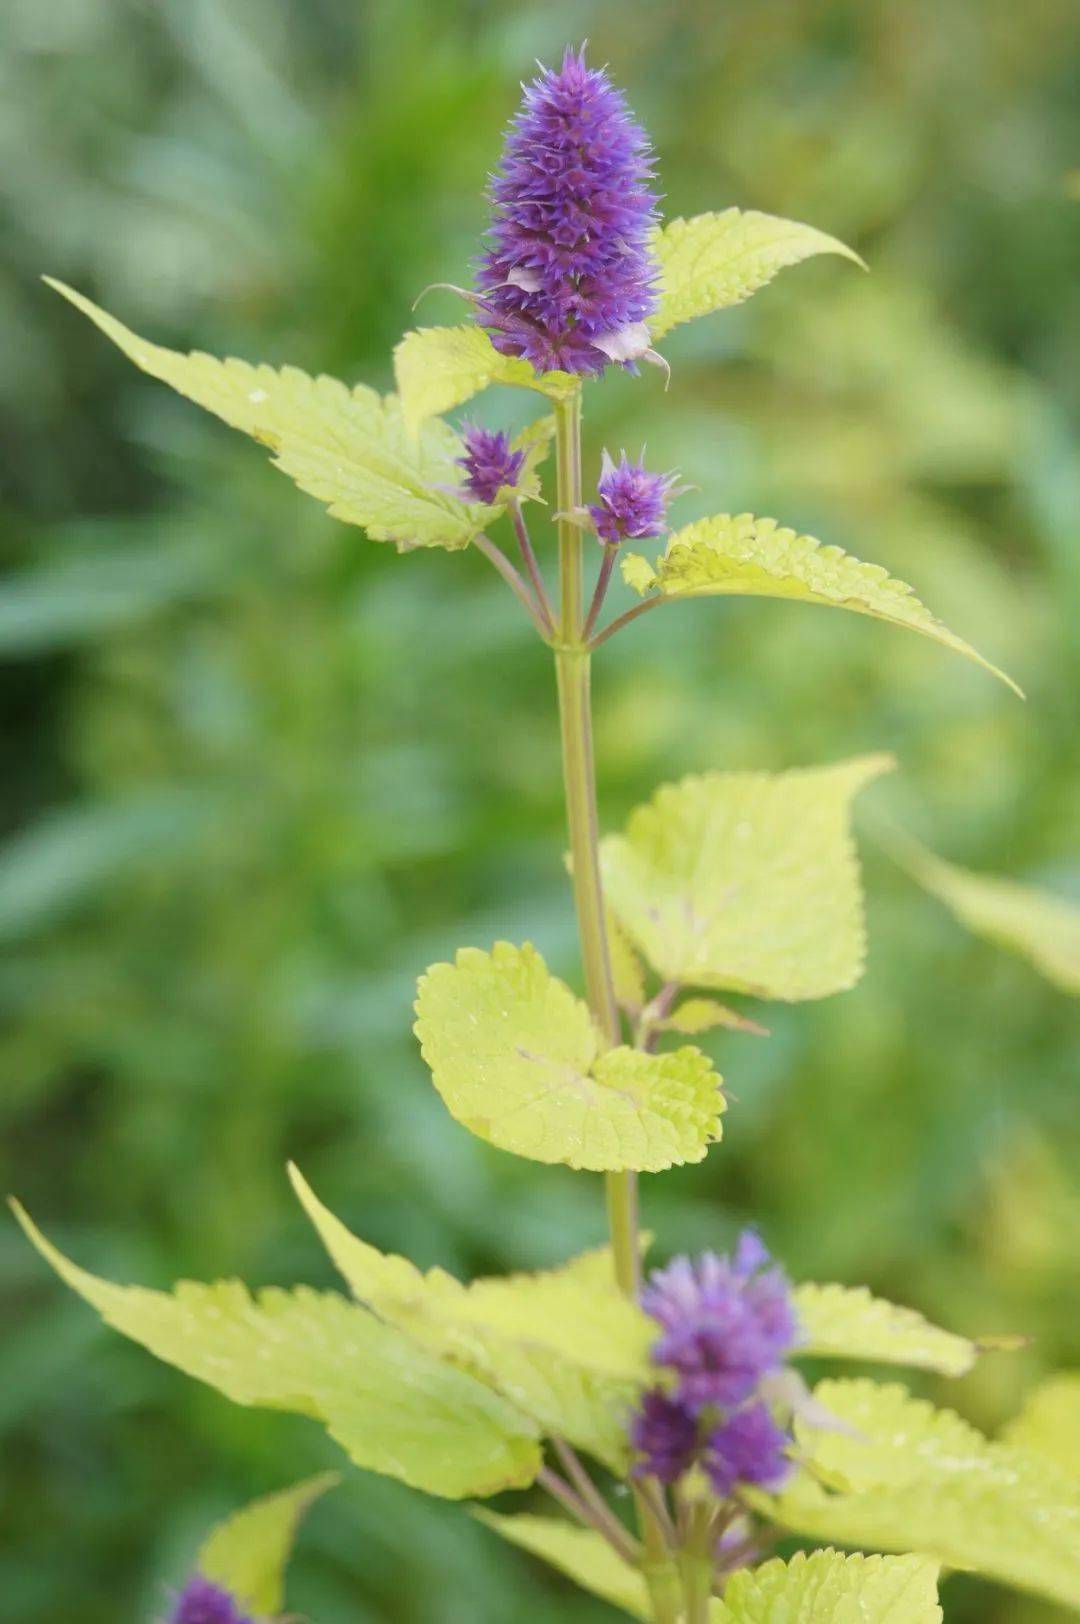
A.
x: 682, y: 1392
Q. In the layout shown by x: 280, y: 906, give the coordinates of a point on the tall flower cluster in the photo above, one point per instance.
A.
x: 202, y: 1602
x: 567, y: 281
x: 727, y: 1323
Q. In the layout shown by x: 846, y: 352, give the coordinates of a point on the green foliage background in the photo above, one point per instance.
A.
x: 262, y: 772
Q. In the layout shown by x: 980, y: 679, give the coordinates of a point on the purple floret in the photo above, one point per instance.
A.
x: 665, y: 1435
x: 726, y: 1323
x: 747, y: 1448
x: 202, y: 1602
x: 567, y: 281
x: 489, y: 463
x: 633, y: 502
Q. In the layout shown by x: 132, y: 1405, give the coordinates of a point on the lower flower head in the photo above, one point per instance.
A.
x: 202, y: 1602
x: 489, y: 462
x: 665, y: 1436
x: 748, y: 1447
x: 727, y: 1322
x: 633, y: 502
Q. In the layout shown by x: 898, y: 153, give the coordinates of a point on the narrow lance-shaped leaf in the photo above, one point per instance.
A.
x: 903, y: 1476
x: 1040, y: 927
x: 519, y: 1062
x: 570, y: 1352
x: 248, y: 1553
x: 739, y: 555
x: 847, y: 1322
x: 347, y: 447
x: 437, y: 368
x: 746, y: 880
x: 389, y: 1403
x: 714, y: 261
x: 580, y: 1554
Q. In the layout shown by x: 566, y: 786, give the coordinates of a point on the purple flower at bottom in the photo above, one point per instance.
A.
x: 747, y: 1448
x: 202, y: 1602
x: 665, y: 1435
x: 568, y: 280
x: 489, y: 463
x: 727, y: 1322
x: 633, y: 502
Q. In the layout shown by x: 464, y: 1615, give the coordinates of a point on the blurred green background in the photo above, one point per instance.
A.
x: 262, y: 771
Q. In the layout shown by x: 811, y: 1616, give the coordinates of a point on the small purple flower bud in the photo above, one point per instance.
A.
x: 726, y: 1324
x: 202, y: 1602
x: 489, y: 463
x: 633, y: 503
x: 568, y: 282
x: 665, y: 1436
x: 747, y: 1448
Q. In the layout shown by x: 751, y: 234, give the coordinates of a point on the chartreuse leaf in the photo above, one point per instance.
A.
x: 696, y: 1015
x: 347, y: 447
x: 846, y: 1322
x: 903, y: 1476
x: 565, y: 1345
x: 1049, y: 1423
x: 247, y: 1554
x: 519, y: 1062
x: 440, y: 367
x: 391, y: 1405
x: 580, y: 1554
x: 716, y: 260
x: 746, y: 880
x: 535, y: 441
x: 826, y: 1587
x: 1040, y: 927
x: 627, y: 970
x: 743, y: 556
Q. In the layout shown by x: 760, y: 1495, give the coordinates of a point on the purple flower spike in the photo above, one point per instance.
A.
x: 567, y: 282
x: 201, y: 1602
x: 665, y: 1436
x: 726, y: 1324
x: 489, y: 463
x: 633, y: 503
x: 747, y: 1448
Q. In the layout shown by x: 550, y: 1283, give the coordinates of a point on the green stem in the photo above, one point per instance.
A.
x: 572, y: 667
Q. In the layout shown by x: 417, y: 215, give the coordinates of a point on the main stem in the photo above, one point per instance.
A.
x: 572, y: 664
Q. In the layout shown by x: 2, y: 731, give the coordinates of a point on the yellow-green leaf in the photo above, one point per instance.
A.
x: 907, y: 1477
x: 535, y: 440
x: 347, y: 447
x: 696, y: 1015
x: 744, y: 556
x: 1040, y: 927
x: 578, y: 1553
x: 440, y: 367
x: 564, y: 1345
x: 627, y: 970
x: 826, y: 1587
x: 1049, y: 1423
x: 519, y: 1062
x: 716, y: 260
x: 388, y: 1402
x: 247, y: 1554
x: 746, y: 880
x: 847, y: 1322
